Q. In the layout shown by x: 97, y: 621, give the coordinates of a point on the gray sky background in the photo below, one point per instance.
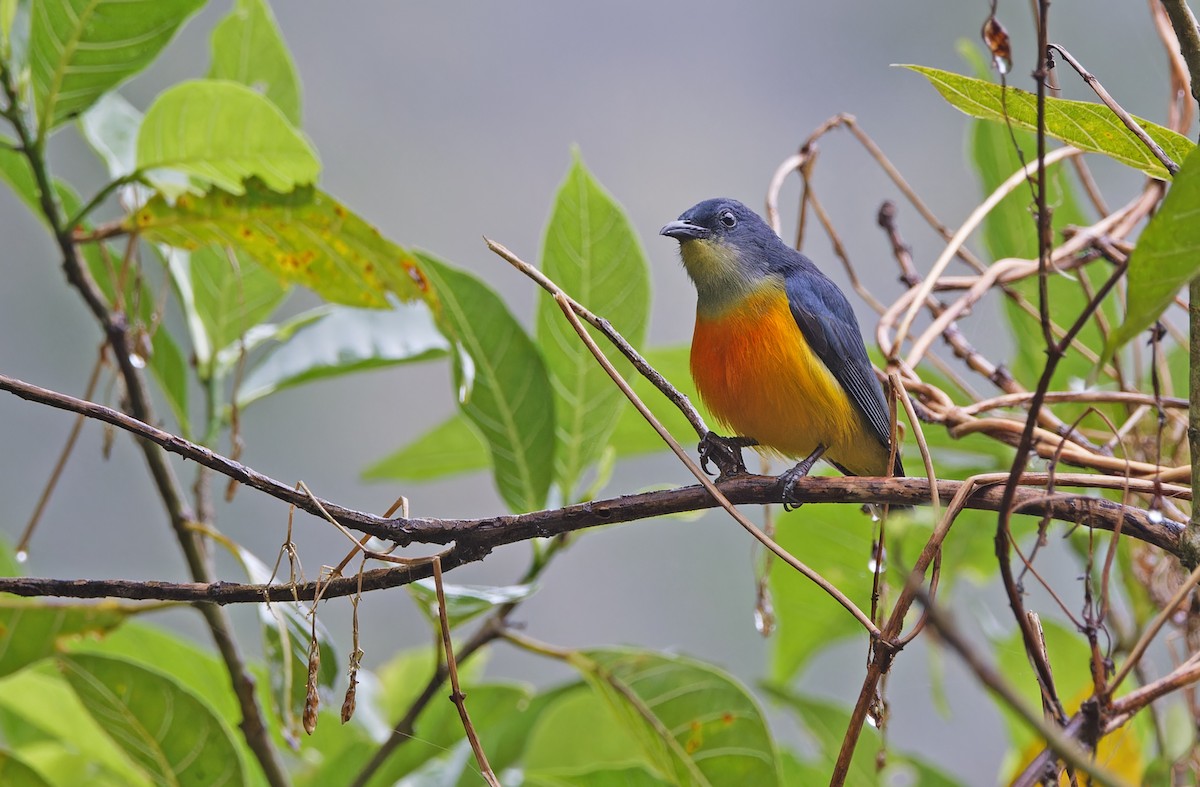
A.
x: 442, y: 122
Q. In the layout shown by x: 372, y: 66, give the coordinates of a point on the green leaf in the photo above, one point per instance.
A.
x: 170, y: 370
x: 555, y: 747
x: 197, y: 669
x: 14, y: 772
x: 450, y: 448
x: 8, y: 16
x: 346, y: 341
x: 222, y: 134
x: 29, y: 632
x: 167, y: 730
x: 835, y: 541
x: 694, y: 722
x: 628, y: 776
x: 1166, y: 255
x: 305, y: 237
x: 591, y: 250
x: 15, y: 171
x: 247, y: 47
x: 83, y: 48
x: 231, y: 295
x: 501, y: 381
x: 465, y: 602
x: 1087, y: 126
x: 826, y: 723
x: 39, y: 706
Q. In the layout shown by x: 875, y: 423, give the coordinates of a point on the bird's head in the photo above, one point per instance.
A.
x: 726, y: 249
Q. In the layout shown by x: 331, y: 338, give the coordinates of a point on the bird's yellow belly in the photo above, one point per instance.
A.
x: 758, y: 377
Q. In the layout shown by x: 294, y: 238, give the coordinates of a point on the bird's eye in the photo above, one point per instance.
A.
x: 728, y: 219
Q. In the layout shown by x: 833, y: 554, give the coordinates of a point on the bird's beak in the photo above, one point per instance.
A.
x: 685, y: 230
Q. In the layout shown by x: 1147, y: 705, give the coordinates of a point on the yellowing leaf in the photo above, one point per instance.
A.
x: 304, y: 237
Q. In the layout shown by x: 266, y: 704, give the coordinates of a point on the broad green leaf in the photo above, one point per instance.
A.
x: 111, y: 126
x: 450, y: 448
x: 591, y: 250
x: 80, y: 49
x: 29, y: 632
x: 465, y: 602
x: 694, y: 723
x: 346, y: 341
x: 826, y: 724
x: 197, y: 669
x: 231, y: 295
x: 166, y: 729
x: 501, y: 381
x: 305, y: 237
x: 15, y: 772
x: 555, y: 746
x: 38, y: 706
x: 247, y: 47
x: 835, y: 541
x: 1166, y: 255
x: 1087, y: 126
x: 222, y: 134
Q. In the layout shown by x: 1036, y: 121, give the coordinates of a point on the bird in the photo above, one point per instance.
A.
x: 777, y: 354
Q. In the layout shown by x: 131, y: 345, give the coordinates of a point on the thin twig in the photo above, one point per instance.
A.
x: 456, y: 695
x: 1118, y: 110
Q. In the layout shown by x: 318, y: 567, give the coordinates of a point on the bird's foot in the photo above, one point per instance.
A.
x: 789, y: 478
x: 725, y: 453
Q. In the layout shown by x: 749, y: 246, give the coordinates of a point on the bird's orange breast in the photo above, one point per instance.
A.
x: 757, y: 375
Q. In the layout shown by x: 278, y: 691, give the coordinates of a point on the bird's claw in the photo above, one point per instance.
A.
x: 791, y: 476
x: 725, y: 453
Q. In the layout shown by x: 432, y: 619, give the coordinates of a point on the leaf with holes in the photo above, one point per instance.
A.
x: 248, y: 48
x: 167, y: 730
x: 501, y: 381
x: 695, y: 723
x: 591, y: 250
x: 1087, y: 126
x: 80, y: 49
x: 222, y: 134
x: 304, y: 237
